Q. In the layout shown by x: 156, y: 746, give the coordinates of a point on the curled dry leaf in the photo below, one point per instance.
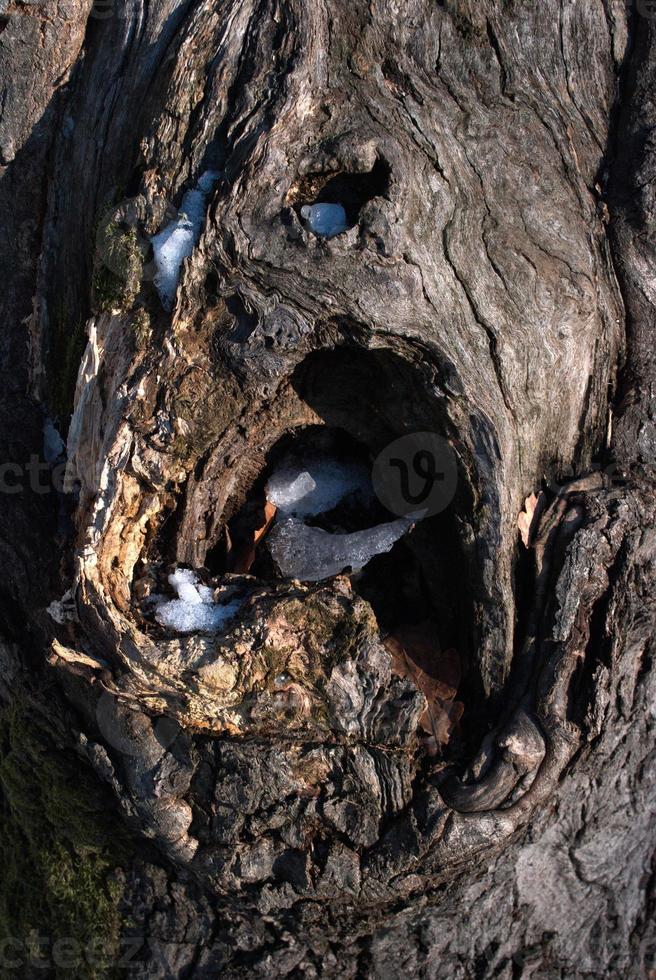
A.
x: 527, y: 517
x: 416, y: 655
x: 245, y: 556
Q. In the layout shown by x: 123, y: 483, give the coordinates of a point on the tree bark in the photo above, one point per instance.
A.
x: 264, y: 801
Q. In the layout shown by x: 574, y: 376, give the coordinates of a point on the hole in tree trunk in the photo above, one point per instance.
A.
x: 351, y: 190
x: 424, y: 585
x: 367, y: 399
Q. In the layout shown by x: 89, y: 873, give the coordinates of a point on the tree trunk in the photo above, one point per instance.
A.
x: 442, y: 765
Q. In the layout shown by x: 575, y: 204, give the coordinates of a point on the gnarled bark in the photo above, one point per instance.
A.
x: 493, y: 287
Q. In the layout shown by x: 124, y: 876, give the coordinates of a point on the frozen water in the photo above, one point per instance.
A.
x: 170, y: 247
x: 325, y: 220
x: 315, y: 486
x: 189, y: 589
x: 311, y: 554
x: 176, y: 242
x: 302, y: 489
x: 194, y: 609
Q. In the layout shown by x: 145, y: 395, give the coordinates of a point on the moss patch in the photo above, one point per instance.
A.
x: 143, y: 332
x: 59, y: 851
x: 329, y: 629
x: 207, y: 406
x: 118, y: 267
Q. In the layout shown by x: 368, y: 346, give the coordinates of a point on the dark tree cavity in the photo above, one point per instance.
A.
x: 265, y: 801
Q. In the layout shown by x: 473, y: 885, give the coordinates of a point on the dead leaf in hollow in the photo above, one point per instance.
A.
x: 440, y: 718
x: 245, y: 555
x: 229, y: 546
x: 525, y: 519
x: 270, y: 511
x: 416, y: 655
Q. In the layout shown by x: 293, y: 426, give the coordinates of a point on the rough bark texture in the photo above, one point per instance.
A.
x: 278, y: 815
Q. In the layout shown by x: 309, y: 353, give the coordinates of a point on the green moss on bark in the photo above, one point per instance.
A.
x: 61, y: 851
x: 118, y: 268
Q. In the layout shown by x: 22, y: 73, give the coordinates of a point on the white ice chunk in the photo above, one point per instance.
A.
x: 315, y: 486
x: 188, y: 587
x: 311, y: 554
x: 170, y: 248
x: 194, y: 609
x: 177, y: 240
x: 325, y: 220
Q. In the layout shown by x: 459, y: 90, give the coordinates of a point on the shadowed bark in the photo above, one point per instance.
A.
x: 287, y: 811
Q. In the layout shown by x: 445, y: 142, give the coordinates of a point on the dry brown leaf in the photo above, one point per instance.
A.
x: 270, y: 511
x: 449, y: 670
x: 525, y: 519
x: 245, y: 556
x: 416, y: 655
x: 229, y: 547
x: 438, y: 671
x: 440, y: 718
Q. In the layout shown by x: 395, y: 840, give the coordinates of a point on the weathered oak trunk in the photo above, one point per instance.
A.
x: 264, y: 800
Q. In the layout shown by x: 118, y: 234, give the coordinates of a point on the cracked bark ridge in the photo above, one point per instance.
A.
x: 480, y: 151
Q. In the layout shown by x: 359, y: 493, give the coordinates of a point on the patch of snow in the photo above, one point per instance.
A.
x: 177, y: 240
x: 64, y: 610
x: 194, y: 610
x: 325, y: 220
x: 315, y: 486
x: 311, y: 554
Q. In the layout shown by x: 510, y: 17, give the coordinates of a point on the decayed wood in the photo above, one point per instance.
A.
x: 495, y: 287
